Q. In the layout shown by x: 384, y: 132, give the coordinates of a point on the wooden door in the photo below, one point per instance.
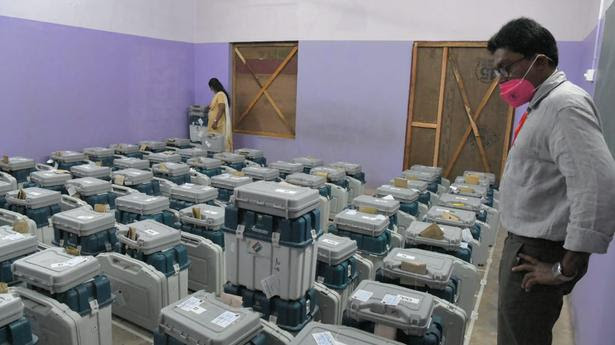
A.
x: 265, y: 88
x: 456, y: 119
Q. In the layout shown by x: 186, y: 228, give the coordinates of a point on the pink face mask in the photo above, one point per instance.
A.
x: 518, y: 91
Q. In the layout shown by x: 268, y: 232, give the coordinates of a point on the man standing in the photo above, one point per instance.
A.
x: 558, y: 188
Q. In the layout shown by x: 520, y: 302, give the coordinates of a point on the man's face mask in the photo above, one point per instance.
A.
x: 518, y: 91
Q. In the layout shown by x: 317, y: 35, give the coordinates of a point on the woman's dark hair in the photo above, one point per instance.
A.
x: 216, y: 85
x: 525, y: 36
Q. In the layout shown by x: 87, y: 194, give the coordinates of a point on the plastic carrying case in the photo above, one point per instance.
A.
x: 140, y: 180
x: 336, y: 267
x: 408, y: 198
x: 19, y: 167
x: 316, y: 333
x: 39, y: 204
x: 368, y: 230
x: 204, y: 220
x: 15, y: 329
x: 308, y: 163
x: 90, y: 232
x: 208, y: 166
x: 130, y: 163
x: 333, y: 175
x: 100, y: 155
x: 385, y: 207
x: 67, y: 159
x: 192, y: 152
x: 163, y: 157
x: 13, y: 246
x: 152, y: 146
x: 261, y: 173
x: 178, y: 173
x: 128, y: 150
x: 182, y: 143
x: 289, y: 315
x: 454, y: 217
x: 50, y: 179
x: 157, y: 245
x: 276, y: 199
x: 286, y: 168
x: 226, y: 184
x: 202, y: 318
x: 475, y: 191
x: 206, y: 271
x: 432, y: 177
x: 451, y: 242
x: 422, y: 271
x: 441, y: 275
x: 232, y: 160
x: 409, y: 316
x: 310, y: 181
x: 352, y: 169
x: 137, y: 206
x: 464, y: 203
x: 93, y: 191
x: 75, y: 281
x: 91, y: 170
x: 189, y: 194
x: 254, y: 155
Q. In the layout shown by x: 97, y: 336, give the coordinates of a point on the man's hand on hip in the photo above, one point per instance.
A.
x: 539, y: 273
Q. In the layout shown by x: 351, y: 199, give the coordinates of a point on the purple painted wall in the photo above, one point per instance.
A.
x: 68, y: 88
x: 210, y: 60
x: 352, y: 101
x: 593, y: 305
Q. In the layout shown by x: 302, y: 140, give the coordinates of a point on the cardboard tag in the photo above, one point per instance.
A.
x: 411, y: 177
x: 472, y: 179
x: 466, y: 190
x: 21, y: 194
x: 142, y: 147
x: 321, y: 173
x: 450, y: 216
x: 21, y: 226
x: 98, y: 163
x: 400, y: 182
x: 102, y: 208
x: 163, y: 167
x: 369, y: 210
x: 5, y: 159
x: 73, y: 251
x: 231, y: 300
x: 4, y: 288
x: 119, y: 180
x: 458, y: 204
x: 413, y: 267
x: 196, y: 213
x: 433, y: 231
x: 385, y: 331
x: 132, y: 233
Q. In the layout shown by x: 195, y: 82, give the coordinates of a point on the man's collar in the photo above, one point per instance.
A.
x: 554, y: 80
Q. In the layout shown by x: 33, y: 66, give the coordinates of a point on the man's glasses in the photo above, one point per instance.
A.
x: 504, y: 71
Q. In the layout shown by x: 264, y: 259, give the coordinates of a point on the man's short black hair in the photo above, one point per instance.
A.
x: 525, y: 36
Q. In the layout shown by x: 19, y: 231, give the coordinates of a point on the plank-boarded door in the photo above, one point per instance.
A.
x: 265, y: 88
x: 456, y: 120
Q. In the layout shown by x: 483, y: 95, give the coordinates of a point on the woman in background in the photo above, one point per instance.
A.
x: 219, y: 117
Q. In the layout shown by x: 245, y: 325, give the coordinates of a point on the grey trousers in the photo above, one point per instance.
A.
x: 528, y: 317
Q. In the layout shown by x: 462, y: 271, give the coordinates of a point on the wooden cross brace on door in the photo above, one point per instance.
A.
x: 263, y: 88
x: 472, y: 119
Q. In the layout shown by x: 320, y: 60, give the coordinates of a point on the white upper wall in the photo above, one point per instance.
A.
x: 279, y: 20
x: 165, y: 19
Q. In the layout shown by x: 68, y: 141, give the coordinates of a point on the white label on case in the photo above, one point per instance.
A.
x: 324, y: 338
x: 331, y: 242
x: 151, y: 232
x: 13, y: 237
x: 190, y: 304
x: 407, y: 299
x: 285, y: 191
x: 391, y: 299
x: 362, y: 295
x: 70, y: 263
x: 406, y: 256
x: 271, y: 286
x: 225, y: 319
